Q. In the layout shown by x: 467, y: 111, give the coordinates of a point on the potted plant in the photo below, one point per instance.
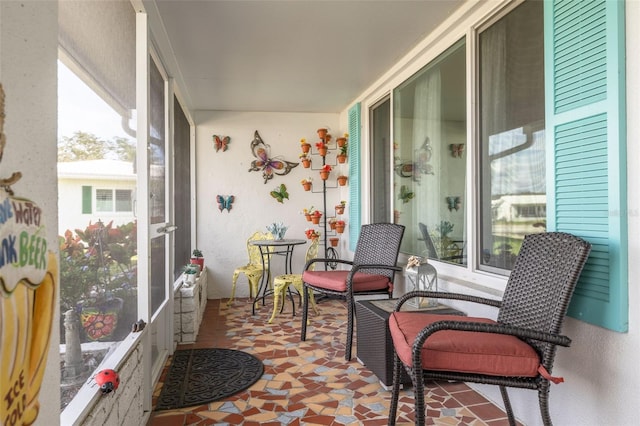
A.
x: 322, y: 132
x: 332, y: 223
x: 342, y: 141
x: 308, y: 212
x: 340, y: 207
x: 342, y: 156
x: 340, y: 224
x: 197, y: 258
x: 304, y: 145
x: 342, y: 180
x: 306, y: 184
x: 322, y: 148
x: 315, y: 217
x: 98, y: 273
x: 306, y: 160
x: 334, y: 241
x: 324, y: 172
x: 311, y: 233
x: 190, y: 272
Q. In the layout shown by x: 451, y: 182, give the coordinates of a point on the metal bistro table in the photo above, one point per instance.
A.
x: 267, y: 249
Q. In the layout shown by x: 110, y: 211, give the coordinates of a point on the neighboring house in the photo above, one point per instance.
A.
x: 95, y: 190
x: 520, y: 208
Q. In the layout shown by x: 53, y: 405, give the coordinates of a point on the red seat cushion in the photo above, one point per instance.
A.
x: 337, y: 280
x: 463, y: 351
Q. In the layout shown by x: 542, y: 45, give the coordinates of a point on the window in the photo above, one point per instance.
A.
x: 96, y: 177
x: 429, y: 131
x: 105, y: 200
x: 430, y: 146
x: 512, y: 134
x: 380, y: 161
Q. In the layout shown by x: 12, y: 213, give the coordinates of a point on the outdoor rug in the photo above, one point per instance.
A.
x: 200, y: 376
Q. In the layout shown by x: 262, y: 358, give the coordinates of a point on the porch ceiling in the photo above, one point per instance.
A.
x: 287, y: 56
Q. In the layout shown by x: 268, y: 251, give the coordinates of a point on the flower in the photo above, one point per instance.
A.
x: 340, y: 223
x: 304, y: 156
x: 343, y: 203
x: 310, y: 210
x: 311, y: 233
x: 303, y: 141
x: 320, y: 145
x: 346, y: 135
x: 316, y: 213
x: 326, y: 168
x: 306, y: 180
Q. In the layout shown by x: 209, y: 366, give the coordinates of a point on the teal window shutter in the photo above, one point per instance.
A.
x: 586, y: 148
x: 354, y: 175
x: 86, y: 199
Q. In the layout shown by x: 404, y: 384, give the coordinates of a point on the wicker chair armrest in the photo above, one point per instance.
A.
x: 325, y: 261
x: 527, y: 333
x: 446, y: 295
x: 356, y: 268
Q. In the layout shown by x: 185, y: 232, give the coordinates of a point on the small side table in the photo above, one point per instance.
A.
x: 373, y: 339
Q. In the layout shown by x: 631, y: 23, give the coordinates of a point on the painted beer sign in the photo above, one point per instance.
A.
x: 27, y: 296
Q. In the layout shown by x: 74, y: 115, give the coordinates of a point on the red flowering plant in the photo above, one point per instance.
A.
x: 326, y: 168
x: 320, y: 145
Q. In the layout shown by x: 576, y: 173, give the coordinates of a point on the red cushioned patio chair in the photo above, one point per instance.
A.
x: 370, y: 272
x: 516, y: 350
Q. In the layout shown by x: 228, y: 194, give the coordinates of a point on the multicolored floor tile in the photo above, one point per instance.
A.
x: 309, y: 383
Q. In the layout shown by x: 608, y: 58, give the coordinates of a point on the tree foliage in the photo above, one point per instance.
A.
x: 83, y: 146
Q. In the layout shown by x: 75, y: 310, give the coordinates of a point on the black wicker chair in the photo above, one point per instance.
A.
x: 371, y: 272
x: 517, y: 350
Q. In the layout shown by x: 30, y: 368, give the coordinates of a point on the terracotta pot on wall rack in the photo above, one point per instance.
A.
x: 306, y: 147
x: 342, y: 180
x: 334, y: 241
x: 341, y: 158
x: 322, y: 133
x: 307, y: 186
x: 324, y: 175
x: 306, y: 163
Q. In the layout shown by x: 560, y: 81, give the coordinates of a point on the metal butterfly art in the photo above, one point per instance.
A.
x: 280, y: 193
x: 415, y: 169
x: 405, y: 195
x: 269, y: 166
x: 453, y: 202
x: 457, y: 149
x: 221, y: 142
x: 224, y: 202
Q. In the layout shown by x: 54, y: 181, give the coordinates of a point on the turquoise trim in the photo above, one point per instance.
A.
x: 355, y: 177
x: 586, y: 149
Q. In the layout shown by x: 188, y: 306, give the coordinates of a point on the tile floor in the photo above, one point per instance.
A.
x: 309, y: 383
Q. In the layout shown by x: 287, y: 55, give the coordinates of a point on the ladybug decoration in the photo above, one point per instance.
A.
x: 108, y: 380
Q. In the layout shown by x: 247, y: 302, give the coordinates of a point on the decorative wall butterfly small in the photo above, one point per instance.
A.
x: 456, y: 149
x: 264, y: 163
x: 225, y: 201
x: 405, y: 195
x: 221, y: 143
x: 453, y: 202
x: 280, y: 193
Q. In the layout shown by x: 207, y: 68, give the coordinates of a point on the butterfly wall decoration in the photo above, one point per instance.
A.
x: 264, y: 163
x: 456, y: 149
x: 453, y: 203
x: 280, y: 193
x: 221, y: 142
x: 415, y: 169
x: 225, y: 202
x: 405, y: 195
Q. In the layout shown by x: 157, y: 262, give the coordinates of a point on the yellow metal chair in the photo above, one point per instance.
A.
x: 281, y: 283
x: 254, y: 269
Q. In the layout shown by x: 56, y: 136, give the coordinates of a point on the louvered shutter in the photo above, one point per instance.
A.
x: 87, y: 193
x: 586, y: 135
x: 354, y: 176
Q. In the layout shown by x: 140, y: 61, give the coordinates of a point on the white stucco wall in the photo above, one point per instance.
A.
x: 28, y: 53
x: 222, y: 235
